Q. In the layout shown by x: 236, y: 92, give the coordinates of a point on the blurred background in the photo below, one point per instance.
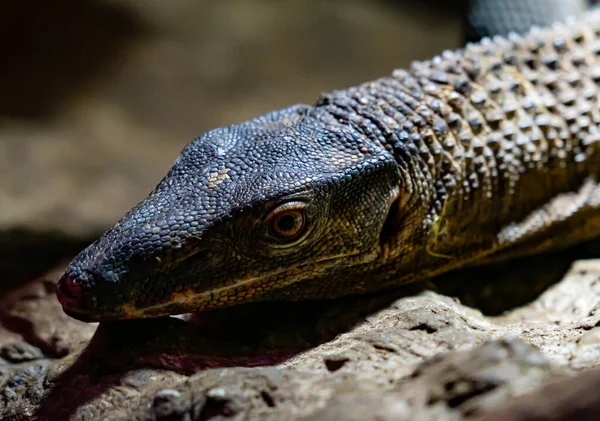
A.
x: 97, y: 98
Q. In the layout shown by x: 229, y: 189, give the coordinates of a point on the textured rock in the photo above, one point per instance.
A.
x: 562, y: 400
x: 424, y: 356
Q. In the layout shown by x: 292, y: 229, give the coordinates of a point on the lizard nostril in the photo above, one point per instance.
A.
x: 69, y: 287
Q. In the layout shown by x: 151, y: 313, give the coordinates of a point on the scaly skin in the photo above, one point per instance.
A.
x: 476, y: 155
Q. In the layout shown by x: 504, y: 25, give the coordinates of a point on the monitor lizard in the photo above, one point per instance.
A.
x: 480, y: 154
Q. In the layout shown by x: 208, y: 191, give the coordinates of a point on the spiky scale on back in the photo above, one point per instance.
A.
x: 488, y: 121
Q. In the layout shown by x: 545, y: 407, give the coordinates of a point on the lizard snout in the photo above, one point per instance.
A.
x: 70, y: 294
x: 69, y: 288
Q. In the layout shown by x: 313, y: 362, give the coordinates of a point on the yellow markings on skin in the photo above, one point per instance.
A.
x: 345, y: 160
x: 436, y: 254
x: 232, y: 292
x: 180, y: 296
x: 217, y: 177
x: 130, y: 311
x: 436, y: 229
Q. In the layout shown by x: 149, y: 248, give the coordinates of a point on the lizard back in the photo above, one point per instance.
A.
x: 501, y: 143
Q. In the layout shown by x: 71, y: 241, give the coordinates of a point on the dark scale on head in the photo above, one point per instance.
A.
x: 402, y: 177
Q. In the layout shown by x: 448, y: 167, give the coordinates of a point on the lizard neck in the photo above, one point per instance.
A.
x: 483, y: 137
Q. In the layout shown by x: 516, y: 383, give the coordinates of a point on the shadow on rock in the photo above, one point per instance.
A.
x: 500, y: 287
x: 140, y: 351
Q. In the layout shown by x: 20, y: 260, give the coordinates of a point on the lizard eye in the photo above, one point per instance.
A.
x: 287, y: 222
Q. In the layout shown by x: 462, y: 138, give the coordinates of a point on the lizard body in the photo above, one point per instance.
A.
x: 484, y: 153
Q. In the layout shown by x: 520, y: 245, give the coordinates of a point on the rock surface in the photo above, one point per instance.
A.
x: 385, y: 356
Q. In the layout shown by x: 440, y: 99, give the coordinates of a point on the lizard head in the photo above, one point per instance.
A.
x: 245, y: 211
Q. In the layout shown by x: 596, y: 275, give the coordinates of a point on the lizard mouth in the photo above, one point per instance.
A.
x: 72, y: 309
x: 69, y: 295
x: 207, y: 300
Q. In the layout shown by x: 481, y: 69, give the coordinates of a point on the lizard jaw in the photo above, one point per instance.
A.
x: 245, y: 290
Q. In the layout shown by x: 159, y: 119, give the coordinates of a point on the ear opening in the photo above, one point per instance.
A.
x: 392, y: 221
